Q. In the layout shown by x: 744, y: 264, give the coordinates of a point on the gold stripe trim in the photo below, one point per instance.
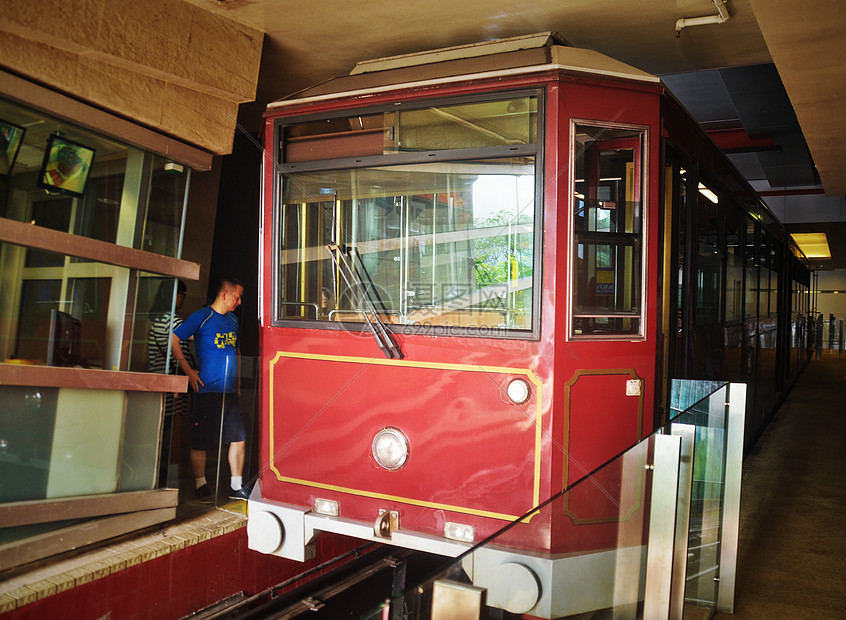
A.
x: 586, y: 372
x: 414, y: 364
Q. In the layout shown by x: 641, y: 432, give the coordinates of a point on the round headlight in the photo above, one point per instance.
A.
x: 390, y: 448
x: 518, y: 391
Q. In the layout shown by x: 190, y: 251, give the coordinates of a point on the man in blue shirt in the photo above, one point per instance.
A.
x: 217, y: 385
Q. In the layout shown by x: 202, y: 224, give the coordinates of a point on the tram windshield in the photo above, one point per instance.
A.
x: 429, y: 244
x: 440, y: 245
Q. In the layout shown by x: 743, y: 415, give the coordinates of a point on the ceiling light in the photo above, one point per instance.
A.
x: 708, y: 194
x: 813, y: 245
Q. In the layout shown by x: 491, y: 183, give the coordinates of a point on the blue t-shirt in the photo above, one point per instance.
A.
x: 216, y: 344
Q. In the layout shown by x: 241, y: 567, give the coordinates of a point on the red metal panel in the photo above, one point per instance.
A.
x: 465, y: 436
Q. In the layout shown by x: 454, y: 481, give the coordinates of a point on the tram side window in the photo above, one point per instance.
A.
x: 752, y: 266
x: 708, y: 258
x: 734, y: 263
x: 607, y: 231
x: 473, y: 125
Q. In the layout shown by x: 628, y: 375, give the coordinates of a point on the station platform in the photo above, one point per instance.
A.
x: 792, y: 546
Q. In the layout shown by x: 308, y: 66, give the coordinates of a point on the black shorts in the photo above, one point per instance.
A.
x: 206, y: 432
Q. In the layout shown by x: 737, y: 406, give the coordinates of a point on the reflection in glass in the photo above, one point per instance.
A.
x: 83, y: 293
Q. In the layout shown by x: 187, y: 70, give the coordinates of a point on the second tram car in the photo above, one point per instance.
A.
x: 481, y: 267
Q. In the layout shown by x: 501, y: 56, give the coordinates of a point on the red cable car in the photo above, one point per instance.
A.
x: 465, y: 254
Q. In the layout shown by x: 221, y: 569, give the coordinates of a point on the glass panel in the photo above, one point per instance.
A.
x: 441, y: 127
x: 590, y: 550
x: 61, y: 316
x: 156, y: 299
x: 752, y: 264
x: 709, y: 260
x: 243, y: 403
x: 597, y: 560
x: 65, y: 442
x: 164, y: 213
x: 703, y: 560
x: 686, y: 393
x: 607, y: 224
x: 448, y: 244
x: 125, y: 187
x: 734, y: 264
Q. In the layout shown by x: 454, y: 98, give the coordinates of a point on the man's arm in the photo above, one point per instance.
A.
x: 176, y: 352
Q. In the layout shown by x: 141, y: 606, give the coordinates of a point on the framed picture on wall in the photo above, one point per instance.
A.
x: 66, y: 166
x: 11, y: 137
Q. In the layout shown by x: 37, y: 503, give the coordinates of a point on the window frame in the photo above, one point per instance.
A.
x: 536, y: 150
x: 571, y: 236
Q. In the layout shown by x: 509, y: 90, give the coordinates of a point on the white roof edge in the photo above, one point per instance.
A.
x: 458, y: 52
x: 620, y: 70
x: 581, y: 59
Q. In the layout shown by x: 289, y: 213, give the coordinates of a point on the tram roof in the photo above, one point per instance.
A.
x: 516, y: 55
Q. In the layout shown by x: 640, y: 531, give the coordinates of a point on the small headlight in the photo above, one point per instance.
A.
x: 327, y: 507
x: 390, y: 448
x: 518, y: 391
x: 460, y: 532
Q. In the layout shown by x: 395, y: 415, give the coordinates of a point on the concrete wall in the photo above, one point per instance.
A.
x: 166, y: 64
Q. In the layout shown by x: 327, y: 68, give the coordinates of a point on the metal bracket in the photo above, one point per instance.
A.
x: 312, y: 603
x: 386, y: 523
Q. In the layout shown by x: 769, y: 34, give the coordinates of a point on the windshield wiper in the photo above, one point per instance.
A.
x: 384, y: 338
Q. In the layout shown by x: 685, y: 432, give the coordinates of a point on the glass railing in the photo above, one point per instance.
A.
x: 651, y: 534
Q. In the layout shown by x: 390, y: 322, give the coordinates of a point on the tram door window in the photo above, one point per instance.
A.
x: 608, y: 232
x: 673, y: 307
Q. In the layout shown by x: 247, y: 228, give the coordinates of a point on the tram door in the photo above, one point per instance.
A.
x: 677, y: 299
x: 693, y: 288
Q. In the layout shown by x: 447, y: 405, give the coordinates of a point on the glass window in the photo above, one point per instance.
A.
x: 608, y: 231
x: 427, y: 244
x: 129, y: 197
x: 443, y: 241
x: 734, y: 263
x: 438, y: 127
x: 708, y: 259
